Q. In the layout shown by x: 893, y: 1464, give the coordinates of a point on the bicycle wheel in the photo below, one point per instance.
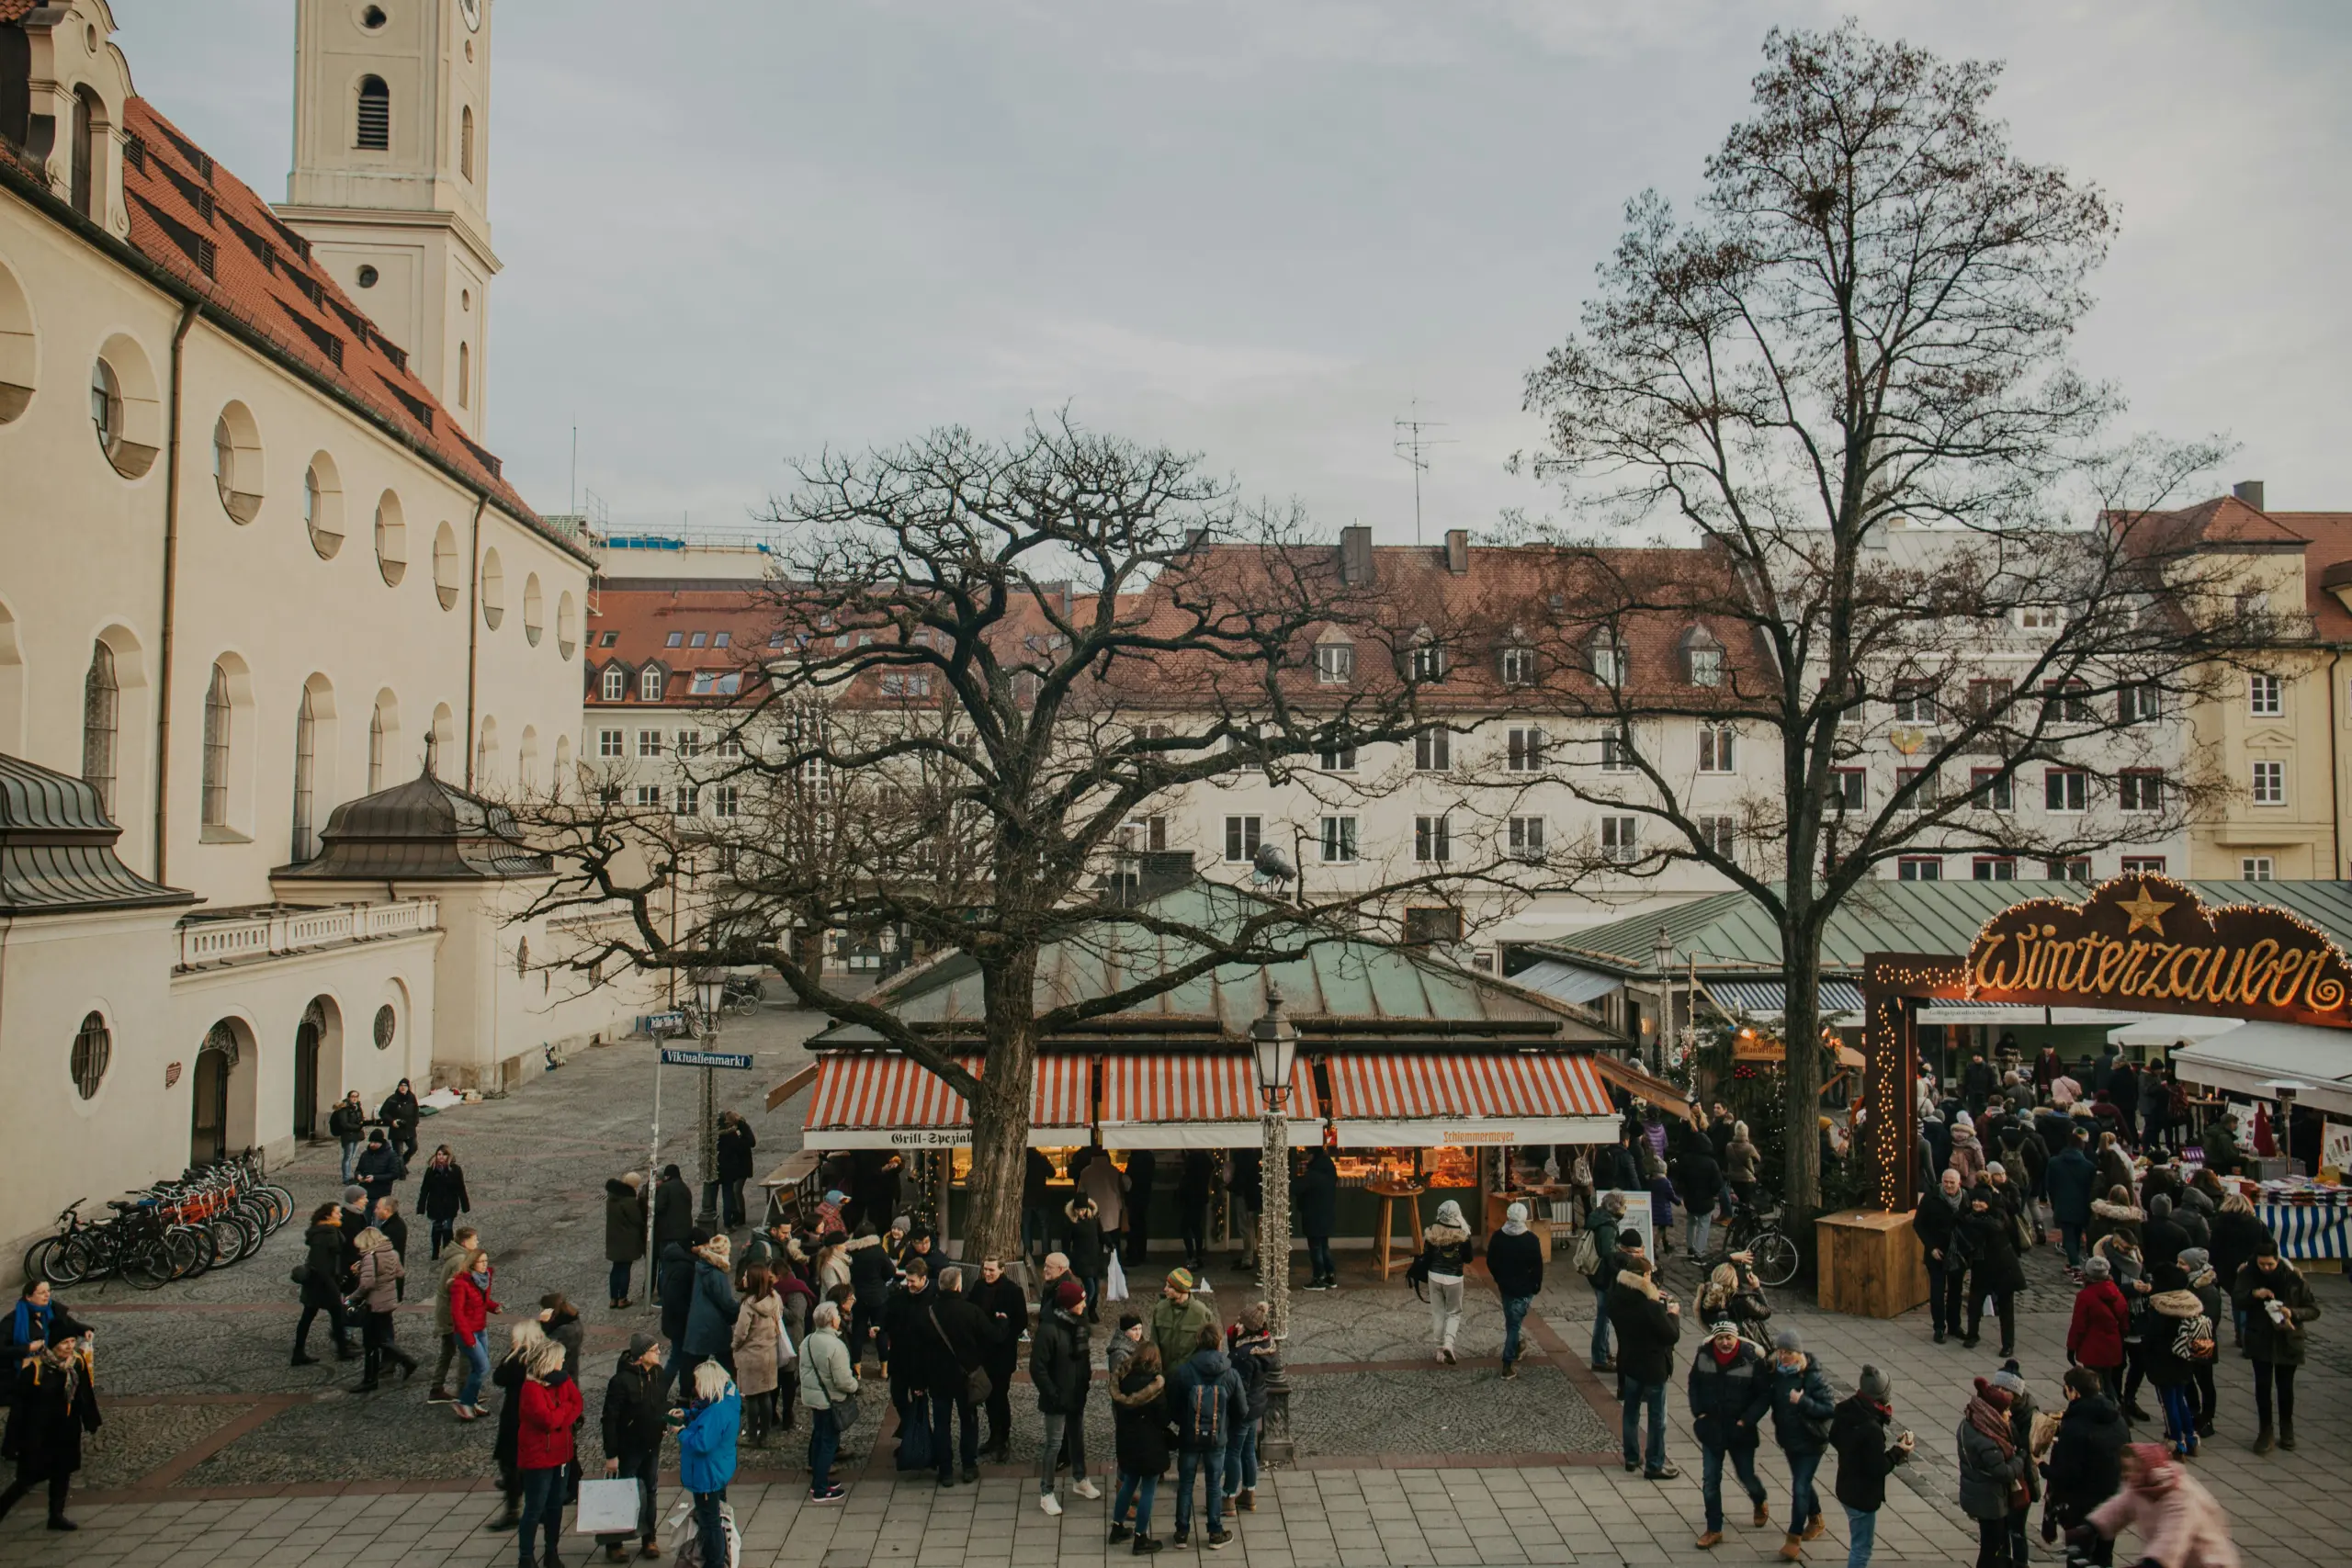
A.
x: 1776, y: 1257
x: 43, y: 1259
x: 148, y: 1263
x: 280, y: 1202
x: 237, y: 1235
x: 201, y: 1251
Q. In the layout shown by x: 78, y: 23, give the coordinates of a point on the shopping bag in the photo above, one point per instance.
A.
x: 1114, y: 1287
x: 606, y: 1507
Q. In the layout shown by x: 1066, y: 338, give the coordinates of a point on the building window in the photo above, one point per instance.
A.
x: 2063, y: 701
x: 729, y: 747
x: 1428, y: 925
x: 1702, y: 658
x: 1610, y: 664
x: 610, y: 743
x: 1432, y: 839
x: 1429, y: 662
x: 607, y: 640
x: 1338, y: 840
x: 1620, y: 839
x: 687, y: 801
x: 1240, y: 839
x: 306, y: 744
x: 616, y: 687
x: 1986, y: 698
x: 1518, y: 665
x: 2140, y: 789
x: 101, y: 723
x: 2254, y: 868
x: 724, y: 800
x: 1335, y: 663
x: 2143, y: 866
x: 698, y: 639
x: 214, y: 794
x: 2073, y: 868
x: 375, y: 123
x: 386, y: 1027
x: 1919, y: 868
x: 1914, y: 702
x: 1525, y: 837
x: 1719, y: 835
x: 93, y: 1048
x: 1526, y: 750
x: 1433, y: 750
x: 675, y: 640
x: 1714, y: 748
x: 466, y: 141
x: 1848, y: 788
x: 2064, y: 789
x: 650, y: 681
x: 2265, y: 696
x: 105, y: 407
x: 1923, y: 784
x: 1994, y: 868
x: 465, y: 375
x: 690, y: 743
x: 648, y: 744
x: 649, y: 797
x: 374, y: 747
x: 2270, y: 784
x: 1341, y: 760
x: 1992, y: 788
x: 1617, y: 752
x: 2142, y: 703
x: 2038, y: 618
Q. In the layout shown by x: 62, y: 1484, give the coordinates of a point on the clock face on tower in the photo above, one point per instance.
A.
x: 473, y: 10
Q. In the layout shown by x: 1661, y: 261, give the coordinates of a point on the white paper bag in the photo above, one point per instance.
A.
x: 1115, y: 1287
x: 606, y: 1507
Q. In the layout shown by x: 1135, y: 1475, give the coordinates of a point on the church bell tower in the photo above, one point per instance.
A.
x: 391, y: 176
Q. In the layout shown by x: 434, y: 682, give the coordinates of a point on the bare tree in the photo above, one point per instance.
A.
x: 1847, y: 377
x: 986, y: 659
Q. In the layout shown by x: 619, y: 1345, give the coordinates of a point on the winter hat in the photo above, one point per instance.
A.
x: 1182, y: 1278
x: 835, y: 1195
x: 2007, y: 1382
x: 717, y: 1250
x: 1998, y: 1398
x: 1450, y: 1213
x: 1629, y: 1236
x: 902, y: 1224
x: 1994, y: 1166
x: 1787, y: 1340
x: 1873, y: 1384
x: 1722, y: 1326
x: 2160, y: 1207
x: 640, y: 1343
x: 1516, y: 1214
x: 632, y: 1179
x: 374, y: 1135
x: 1963, y: 1119
x: 2195, y: 1260
x: 2098, y: 1268
x: 1069, y: 1295
x: 354, y: 1195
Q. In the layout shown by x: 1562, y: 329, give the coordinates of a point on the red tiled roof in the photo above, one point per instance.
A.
x: 2329, y: 553
x: 206, y: 228
x: 2226, y: 520
x: 14, y: 10
x: 640, y: 621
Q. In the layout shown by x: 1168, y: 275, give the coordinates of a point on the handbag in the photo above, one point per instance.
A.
x: 845, y: 1413
x: 1116, y: 1286
x: 977, y: 1386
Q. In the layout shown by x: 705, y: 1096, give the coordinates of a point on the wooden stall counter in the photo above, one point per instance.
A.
x: 1539, y: 1212
x: 1390, y: 1195
x: 1870, y: 1263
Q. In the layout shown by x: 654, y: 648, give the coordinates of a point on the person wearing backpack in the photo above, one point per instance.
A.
x: 1208, y: 1399
x: 1446, y: 1251
x: 2179, y: 1335
x: 1599, y: 1261
x: 1802, y: 1408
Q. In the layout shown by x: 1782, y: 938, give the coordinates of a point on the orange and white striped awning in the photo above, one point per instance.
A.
x: 1432, y: 1099
x: 1188, y: 1100
x: 887, y: 1102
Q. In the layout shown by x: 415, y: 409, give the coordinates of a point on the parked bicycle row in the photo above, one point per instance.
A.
x: 211, y: 1217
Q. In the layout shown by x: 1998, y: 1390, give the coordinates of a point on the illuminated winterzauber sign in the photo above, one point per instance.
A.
x: 2149, y: 945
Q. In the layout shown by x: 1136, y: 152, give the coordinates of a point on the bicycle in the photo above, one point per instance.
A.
x: 1770, y: 1255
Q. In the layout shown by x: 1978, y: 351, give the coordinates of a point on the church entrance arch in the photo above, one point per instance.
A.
x: 222, y: 1114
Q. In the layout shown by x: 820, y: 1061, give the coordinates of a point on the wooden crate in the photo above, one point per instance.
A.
x: 1870, y: 1263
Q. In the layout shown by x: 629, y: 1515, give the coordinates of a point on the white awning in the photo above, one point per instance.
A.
x: 1969, y: 1012
x: 2163, y: 1029
x: 2248, y: 1059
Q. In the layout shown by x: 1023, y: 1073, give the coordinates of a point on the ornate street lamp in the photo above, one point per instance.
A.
x: 710, y: 995
x: 1274, y: 1045
x: 1662, y: 954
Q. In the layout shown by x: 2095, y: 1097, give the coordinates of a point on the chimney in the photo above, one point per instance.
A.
x: 1457, y: 551
x: 1355, y: 554
x: 2248, y: 491
x: 1194, y: 538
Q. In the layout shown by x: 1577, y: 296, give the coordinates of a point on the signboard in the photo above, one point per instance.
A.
x: 2150, y: 944
x: 1638, y: 1217
x: 676, y: 1056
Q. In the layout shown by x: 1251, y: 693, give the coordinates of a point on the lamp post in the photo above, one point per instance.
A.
x: 1662, y: 954
x: 710, y: 995
x: 1274, y: 1045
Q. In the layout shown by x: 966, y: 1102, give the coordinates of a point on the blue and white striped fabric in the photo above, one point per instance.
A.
x: 2308, y: 1230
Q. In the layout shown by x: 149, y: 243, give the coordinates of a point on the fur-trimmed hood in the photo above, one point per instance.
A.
x: 2118, y: 1213
x: 859, y: 1244
x: 1148, y: 1394
x: 1445, y: 1235
x: 1634, y: 1279
x: 2176, y: 1304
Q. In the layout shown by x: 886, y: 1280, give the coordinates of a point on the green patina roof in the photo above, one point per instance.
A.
x: 1731, y: 931
x: 1342, y: 987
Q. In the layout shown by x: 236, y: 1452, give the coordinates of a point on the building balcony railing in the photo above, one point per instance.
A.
x: 247, y: 936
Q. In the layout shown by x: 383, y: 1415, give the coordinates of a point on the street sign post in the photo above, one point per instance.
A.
x: 681, y: 1057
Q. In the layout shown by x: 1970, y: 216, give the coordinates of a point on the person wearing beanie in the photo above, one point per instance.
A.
x: 634, y: 1423
x: 1858, y: 1431
x: 1730, y: 1388
x: 1061, y: 1368
x: 1444, y: 1262
x: 2197, y: 1267
x: 1515, y: 1262
x: 1992, y: 1469
x: 2095, y: 1338
x: 2160, y: 1237
x: 1802, y: 1410
x: 2176, y: 1336
x: 1177, y: 1319
x: 1987, y: 1231
x: 378, y: 1167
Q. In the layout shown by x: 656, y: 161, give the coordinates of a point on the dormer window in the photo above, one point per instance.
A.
x: 650, y: 683
x: 1610, y: 666
x: 615, y: 684
x: 1335, y: 663
x: 1516, y: 663
x: 1426, y: 660
x: 1702, y: 658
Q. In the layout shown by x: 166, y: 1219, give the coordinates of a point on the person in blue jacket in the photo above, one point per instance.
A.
x: 1803, y: 1409
x: 707, y: 1454
x: 711, y: 1307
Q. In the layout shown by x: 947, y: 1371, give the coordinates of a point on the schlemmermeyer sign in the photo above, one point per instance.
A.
x: 2148, y: 943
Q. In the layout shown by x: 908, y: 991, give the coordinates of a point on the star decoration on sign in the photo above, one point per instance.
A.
x: 2144, y: 912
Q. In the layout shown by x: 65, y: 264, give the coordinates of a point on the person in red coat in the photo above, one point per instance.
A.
x: 543, y: 1450
x: 469, y: 1309
x: 2095, y: 1338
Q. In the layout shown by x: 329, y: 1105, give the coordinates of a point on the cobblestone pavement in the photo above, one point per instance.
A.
x: 216, y: 1450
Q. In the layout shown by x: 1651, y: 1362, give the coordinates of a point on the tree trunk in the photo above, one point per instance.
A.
x: 1000, y: 1114
x: 1801, y: 1038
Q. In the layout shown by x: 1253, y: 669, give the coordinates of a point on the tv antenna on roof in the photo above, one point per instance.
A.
x: 1412, y: 443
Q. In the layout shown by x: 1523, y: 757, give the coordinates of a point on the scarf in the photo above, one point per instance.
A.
x: 1725, y: 1358
x: 1989, y: 1414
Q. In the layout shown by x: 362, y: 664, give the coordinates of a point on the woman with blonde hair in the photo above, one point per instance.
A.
x: 1734, y: 1292
x: 547, y: 1409
x: 525, y: 1341
x: 1743, y: 1165
x: 714, y: 1420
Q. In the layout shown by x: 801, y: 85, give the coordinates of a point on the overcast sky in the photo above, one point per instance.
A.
x: 737, y: 232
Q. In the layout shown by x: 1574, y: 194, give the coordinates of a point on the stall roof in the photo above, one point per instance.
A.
x: 2245, y: 1058
x: 1730, y: 931
x: 1565, y: 982
x: 1769, y: 998
x: 1343, y: 990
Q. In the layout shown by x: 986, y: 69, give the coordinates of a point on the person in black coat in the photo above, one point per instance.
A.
x: 1082, y: 1244
x: 2085, y: 1465
x: 1936, y: 1222
x: 624, y: 1232
x: 2162, y: 1238
x: 735, y: 1142
x: 324, y: 1276
x: 400, y: 1113
x: 635, y: 1421
x: 1858, y: 1431
x: 1515, y: 1261
x: 380, y: 1167
x: 1699, y: 1177
x: 441, y: 1195
x: 1993, y: 1268
x: 1143, y: 1441
x: 1036, y: 1189
x: 1004, y: 1313
x: 675, y: 1264
x: 2073, y: 1182
x: 1730, y: 1387
x: 53, y: 1406
x: 1316, y: 1201
x: 1647, y: 1325
x: 674, y: 1219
